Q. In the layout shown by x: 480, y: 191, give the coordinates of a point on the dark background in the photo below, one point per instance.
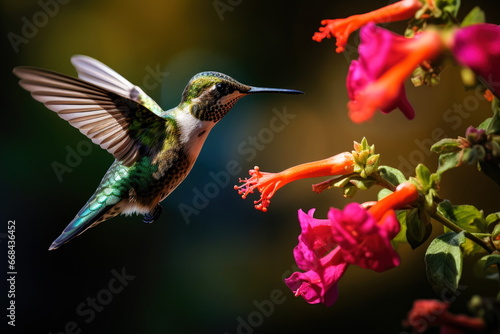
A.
x: 209, y: 275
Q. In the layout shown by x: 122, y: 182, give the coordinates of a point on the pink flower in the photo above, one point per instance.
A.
x: 316, y: 253
x: 376, y: 80
x: 342, y: 28
x: 478, y: 47
x: 354, y: 235
x: 363, y: 240
x: 319, y: 285
x: 315, y: 240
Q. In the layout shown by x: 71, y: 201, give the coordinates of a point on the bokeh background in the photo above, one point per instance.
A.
x: 209, y: 273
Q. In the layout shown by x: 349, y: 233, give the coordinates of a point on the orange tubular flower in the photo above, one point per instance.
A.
x: 342, y: 28
x: 268, y: 183
x: 405, y: 193
x: 376, y: 80
x: 429, y: 313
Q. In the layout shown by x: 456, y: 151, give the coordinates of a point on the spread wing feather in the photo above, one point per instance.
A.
x: 121, y: 125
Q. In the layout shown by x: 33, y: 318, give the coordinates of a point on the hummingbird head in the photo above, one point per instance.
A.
x: 213, y: 94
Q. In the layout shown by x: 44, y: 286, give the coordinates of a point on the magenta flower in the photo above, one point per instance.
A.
x: 318, y: 255
x: 315, y: 240
x: 364, y: 241
x: 376, y: 80
x: 354, y: 235
x: 478, y: 47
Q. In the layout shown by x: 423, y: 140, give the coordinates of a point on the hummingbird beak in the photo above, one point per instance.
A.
x: 255, y: 90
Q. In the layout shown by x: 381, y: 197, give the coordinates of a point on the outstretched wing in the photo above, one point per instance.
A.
x: 124, y: 127
x: 95, y: 72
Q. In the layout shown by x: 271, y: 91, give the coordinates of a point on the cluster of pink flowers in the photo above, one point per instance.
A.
x: 355, y: 235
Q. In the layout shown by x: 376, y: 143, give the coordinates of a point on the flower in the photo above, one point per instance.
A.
x: 323, y: 262
x: 364, y: 235
x: 342, y: 28
x: 478, y: 47
x: 428, y: 313
x: 364, y: 241
x: 268, y: 183
x: 319, y: 285
x: 354, y: 235
x: 376, y: 80
x: 315, y: 240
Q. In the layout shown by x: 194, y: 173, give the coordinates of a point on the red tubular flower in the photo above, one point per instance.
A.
x: 268, y: 183
x: 376, y: 80
x: 342, y: 28
x: 429, y: 313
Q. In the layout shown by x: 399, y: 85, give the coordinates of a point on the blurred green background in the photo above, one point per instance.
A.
x: 212, y: 272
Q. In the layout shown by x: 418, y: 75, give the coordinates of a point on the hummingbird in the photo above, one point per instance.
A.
x: 154, y: 149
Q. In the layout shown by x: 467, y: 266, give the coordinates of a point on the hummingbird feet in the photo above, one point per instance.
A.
x: 153, y: 215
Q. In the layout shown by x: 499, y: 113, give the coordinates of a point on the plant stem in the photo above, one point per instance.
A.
x: 455, y: 228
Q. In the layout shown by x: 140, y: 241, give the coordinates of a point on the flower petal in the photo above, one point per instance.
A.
x: 363, y: 240
x: 478, y: 47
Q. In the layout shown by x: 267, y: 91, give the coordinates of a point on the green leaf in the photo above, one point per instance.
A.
x: 446, y: 145
x: 476, y: 15
x: 449, y: 6
x: 361, y: 183
x: 467, y: 217
x: 423, y: 176
x: 349, y: 191
x: 494, y: 124
x: 392, y: 175
x: 443, y: 260
x: 485, y: 271
x: 492, y: 218
x: 417, y: 230
x: 485, y: 124
x: 383, y: 193
x: 473, y: 154
x: 401, y: 236
x: 448, y: 161
x: 492, y: 260
x: 495, y: 233
x: 341, y: 181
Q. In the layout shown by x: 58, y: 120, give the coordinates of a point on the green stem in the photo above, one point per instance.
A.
x: 455, y: 228
x: 482, y: 235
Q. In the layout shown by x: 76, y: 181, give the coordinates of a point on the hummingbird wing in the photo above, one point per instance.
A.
x: 95, y: 72
x: 122, y: 126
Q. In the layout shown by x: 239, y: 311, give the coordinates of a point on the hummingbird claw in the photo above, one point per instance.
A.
x: 153, y: 215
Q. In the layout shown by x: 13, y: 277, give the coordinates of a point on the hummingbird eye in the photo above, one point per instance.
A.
x: 220, y: 87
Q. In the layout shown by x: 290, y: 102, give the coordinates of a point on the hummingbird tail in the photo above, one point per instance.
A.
x: 88, y: 217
